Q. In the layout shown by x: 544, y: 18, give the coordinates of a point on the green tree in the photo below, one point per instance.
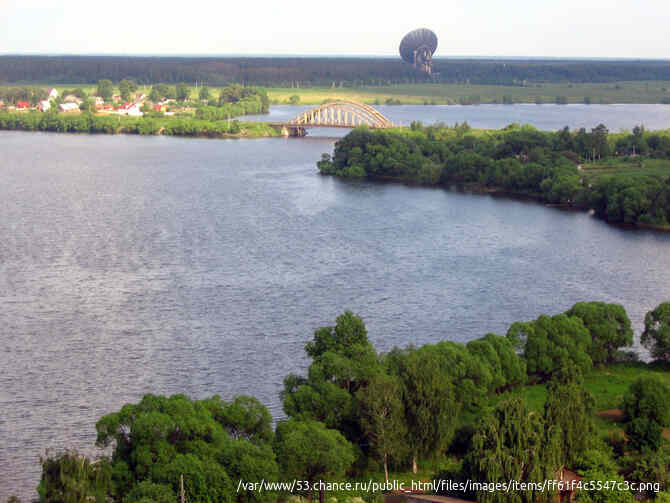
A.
x: 609, y: 326
x: 183, y: 91
x: 307, y: 450
x: 600, y: 145
x: 105, y: 89
x: 646, y: 406
x: 383, y: 418
x: 145, y: 492
x: 550, y: 342
x: 513, y: 443
x: 343, y: 361
x: 656, y: 335
x: 507, y: 368
x: 154, y: 94
x: 294, y: 100
x: 204, y: 94
x: 245, y: 417
x: 430, y: 402
x: 161, y: 439
x: 570, y: 407
x: 127, y: 88
x: 68, y: 477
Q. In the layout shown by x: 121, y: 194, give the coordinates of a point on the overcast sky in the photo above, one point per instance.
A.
x: 537, y: 28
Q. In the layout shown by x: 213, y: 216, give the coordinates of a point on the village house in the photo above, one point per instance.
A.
x: 44, y: 105
x: 22, y: 105
x: 68, y: 108
x: 130, y: 108
x: 71, y: 98
x: 2, y: 103
x: 140, y: 98
x: 52, y: 94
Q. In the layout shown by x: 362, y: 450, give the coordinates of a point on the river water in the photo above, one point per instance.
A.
x: 132, y: 264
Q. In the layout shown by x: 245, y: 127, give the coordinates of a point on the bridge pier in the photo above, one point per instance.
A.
x: 293, y: 131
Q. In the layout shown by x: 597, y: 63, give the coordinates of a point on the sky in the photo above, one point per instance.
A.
x: 512, y: 28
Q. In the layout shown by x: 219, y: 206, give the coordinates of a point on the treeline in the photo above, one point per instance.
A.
x: 290, y: 71
x: 113, y: 124
x: 519, y: 160
x: 356, y: 410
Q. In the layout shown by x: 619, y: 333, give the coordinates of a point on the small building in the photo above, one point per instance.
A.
x: 131, y: 108
x: 140, y: 97
x: 71, y: 98
x: 22, y: 105
x: 52, y: 94
x: 44, y: 105
x: 570, y: 480
x: 2, y: 104
x: 68, y: 108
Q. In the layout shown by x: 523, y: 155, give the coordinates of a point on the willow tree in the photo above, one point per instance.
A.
x: 513, y: 443
x: 570, y: 407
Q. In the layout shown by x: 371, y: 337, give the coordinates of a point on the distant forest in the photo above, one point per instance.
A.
x: 305, y: 72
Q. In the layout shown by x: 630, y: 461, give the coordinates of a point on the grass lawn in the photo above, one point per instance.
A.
x: 643, y: 167
x: 607, y: 385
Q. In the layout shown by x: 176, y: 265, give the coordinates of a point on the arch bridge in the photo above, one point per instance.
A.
x: 338, y: 114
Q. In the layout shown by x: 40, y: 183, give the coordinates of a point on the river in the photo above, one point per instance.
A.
x: 133, y: 264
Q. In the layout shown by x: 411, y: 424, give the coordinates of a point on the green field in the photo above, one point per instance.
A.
x: 643, y: 167
x: 451, y: 94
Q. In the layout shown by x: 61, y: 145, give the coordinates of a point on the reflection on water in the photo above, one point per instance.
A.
x: 131, y: 265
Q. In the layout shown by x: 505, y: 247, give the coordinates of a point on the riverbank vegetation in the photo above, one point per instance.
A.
x: 623, y: 177
x: 157, y: 125
x: 171, y: 113
x: 414, y: 94
x: 525, y: 406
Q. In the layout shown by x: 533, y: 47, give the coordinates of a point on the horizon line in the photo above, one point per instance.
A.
x: 329, y: 55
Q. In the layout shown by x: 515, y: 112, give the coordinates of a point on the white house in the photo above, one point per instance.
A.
x: 53, y: 94
x: 131, y: 108
x: 68, y: 107
x: 44, y: 105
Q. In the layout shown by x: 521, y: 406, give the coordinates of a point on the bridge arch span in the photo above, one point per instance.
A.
x: 342, y: 113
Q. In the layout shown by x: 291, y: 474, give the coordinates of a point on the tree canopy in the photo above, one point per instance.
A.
x: 656, y: 335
